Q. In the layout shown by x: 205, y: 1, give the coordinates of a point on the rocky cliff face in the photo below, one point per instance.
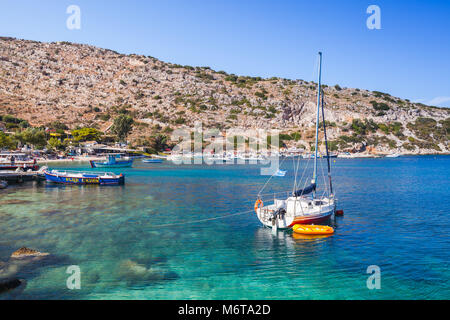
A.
x: 82, y: 85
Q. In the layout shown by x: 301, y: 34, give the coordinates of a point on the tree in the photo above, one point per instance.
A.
x: 55, y: 143
x: 158, y: 143
x: 86, y: 134
x: 32, y: 136
x: 6, y: 141
x: 122, y: 126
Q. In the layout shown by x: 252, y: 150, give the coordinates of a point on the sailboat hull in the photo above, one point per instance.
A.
x: 296, y: 211
x: 312, y: 220
x: 287, y: 223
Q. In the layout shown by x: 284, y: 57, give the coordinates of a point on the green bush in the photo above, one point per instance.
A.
x: 379, y: 106
x: 6, y: 141
x: 86, y: 134
x: 427, y: 129
x: 261, y: 95
x: 180, y: 120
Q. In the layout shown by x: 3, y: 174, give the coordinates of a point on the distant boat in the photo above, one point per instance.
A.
x: 280, y: 173
x: 152, y: 160
x: 331, y: 155
x: 394, y: 155
x: 82, y: 178
x: 253, y: 158
x: 310, y: 156
x: 113, y: 161
x: 13, y: 161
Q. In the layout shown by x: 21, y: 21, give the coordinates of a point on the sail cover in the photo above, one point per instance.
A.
x: 306, y: 190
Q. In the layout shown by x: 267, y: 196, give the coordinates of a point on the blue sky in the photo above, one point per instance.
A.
x: 409, y: 57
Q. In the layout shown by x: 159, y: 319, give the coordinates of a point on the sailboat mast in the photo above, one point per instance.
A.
x: 317, y: 118
x: 326, y: 146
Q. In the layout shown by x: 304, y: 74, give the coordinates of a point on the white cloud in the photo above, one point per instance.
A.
x: 439, y: 101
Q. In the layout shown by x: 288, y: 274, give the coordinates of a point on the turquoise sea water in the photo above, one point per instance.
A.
x: 397, y: 216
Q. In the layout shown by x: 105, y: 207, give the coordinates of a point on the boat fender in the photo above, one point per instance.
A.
x: 258, y: 203
x: 339, y: 213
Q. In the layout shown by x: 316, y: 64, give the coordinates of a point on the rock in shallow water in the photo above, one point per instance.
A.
x: 20, y: 259
x: 26, y: 252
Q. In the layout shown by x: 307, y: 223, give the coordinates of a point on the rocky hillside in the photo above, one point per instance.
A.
x: 82, y: 85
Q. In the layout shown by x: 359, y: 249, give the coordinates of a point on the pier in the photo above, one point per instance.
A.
x: 20, y: 177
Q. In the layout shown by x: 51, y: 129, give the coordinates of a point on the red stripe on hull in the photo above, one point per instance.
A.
x: 310, y: 220
x: 32, y: 167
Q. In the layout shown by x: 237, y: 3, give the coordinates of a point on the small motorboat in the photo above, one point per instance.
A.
x: 113, y: 161
x: 82, y: 178
x: 312, y: 229
x: 152, y: 160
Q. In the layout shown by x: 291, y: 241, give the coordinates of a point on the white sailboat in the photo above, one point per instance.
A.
x: 303, y: 206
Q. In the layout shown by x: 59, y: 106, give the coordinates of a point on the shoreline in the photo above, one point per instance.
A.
x: 70, y: 160
x: 362, y: 156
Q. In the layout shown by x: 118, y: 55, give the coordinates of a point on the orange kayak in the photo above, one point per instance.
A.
x: 312, y: 229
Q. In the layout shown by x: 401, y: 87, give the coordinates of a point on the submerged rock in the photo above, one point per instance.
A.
x: 10, y: 284
x: 132, y: 271
x: 24, y: 257
x: 8, y: 270
x: 12, y: 288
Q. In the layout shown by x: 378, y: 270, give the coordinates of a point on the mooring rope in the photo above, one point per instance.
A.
x: 201, y: 220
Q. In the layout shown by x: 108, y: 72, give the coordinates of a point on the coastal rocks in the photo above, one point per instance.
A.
x: 293, y: 112
x: 357, y: 147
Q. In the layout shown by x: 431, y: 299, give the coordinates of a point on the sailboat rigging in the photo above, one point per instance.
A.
x: 304, y: 206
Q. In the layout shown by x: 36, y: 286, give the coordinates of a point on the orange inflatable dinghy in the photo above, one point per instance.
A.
x: 312, y: 229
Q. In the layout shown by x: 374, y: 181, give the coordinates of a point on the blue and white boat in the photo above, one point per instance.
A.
x: 83, y: 178
x: 113, y: 161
